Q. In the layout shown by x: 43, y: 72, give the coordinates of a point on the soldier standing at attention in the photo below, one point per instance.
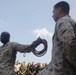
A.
x: 64, y: 43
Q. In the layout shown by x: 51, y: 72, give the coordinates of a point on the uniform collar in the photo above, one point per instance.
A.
x: 64, y: 17
x: 5, y: 44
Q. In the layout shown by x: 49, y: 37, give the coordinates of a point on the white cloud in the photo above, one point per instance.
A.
x: 42, y: 33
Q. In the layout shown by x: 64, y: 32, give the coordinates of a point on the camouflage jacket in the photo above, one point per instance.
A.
x: 8, y: 56
x: 64, y: 49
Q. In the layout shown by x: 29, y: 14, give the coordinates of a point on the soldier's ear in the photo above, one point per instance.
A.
x: 60, y: 10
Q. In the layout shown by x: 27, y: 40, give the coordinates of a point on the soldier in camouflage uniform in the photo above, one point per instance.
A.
x: 8, y: 53
x: 64, y: 43
x: 22, y: 69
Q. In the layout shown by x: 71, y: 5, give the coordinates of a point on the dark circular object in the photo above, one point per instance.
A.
x: 43, y: 51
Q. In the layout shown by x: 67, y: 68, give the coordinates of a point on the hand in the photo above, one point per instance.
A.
x: 36, y: 43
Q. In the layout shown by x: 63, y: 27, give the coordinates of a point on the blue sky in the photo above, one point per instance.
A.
x: 26, y: 20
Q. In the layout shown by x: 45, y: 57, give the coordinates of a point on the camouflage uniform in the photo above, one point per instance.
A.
x: 22, y: 70
x: 64, y: 49
x: 8, y: 56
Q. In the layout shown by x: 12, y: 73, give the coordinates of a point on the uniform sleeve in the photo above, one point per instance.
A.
x: 21, y: 48
x: 66, y: 35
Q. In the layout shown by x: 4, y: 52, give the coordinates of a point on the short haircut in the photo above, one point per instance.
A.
x: 6, y: 34
x: 63, y: 5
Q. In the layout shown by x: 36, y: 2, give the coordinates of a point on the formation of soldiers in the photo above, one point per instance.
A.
x: 21, y: 68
